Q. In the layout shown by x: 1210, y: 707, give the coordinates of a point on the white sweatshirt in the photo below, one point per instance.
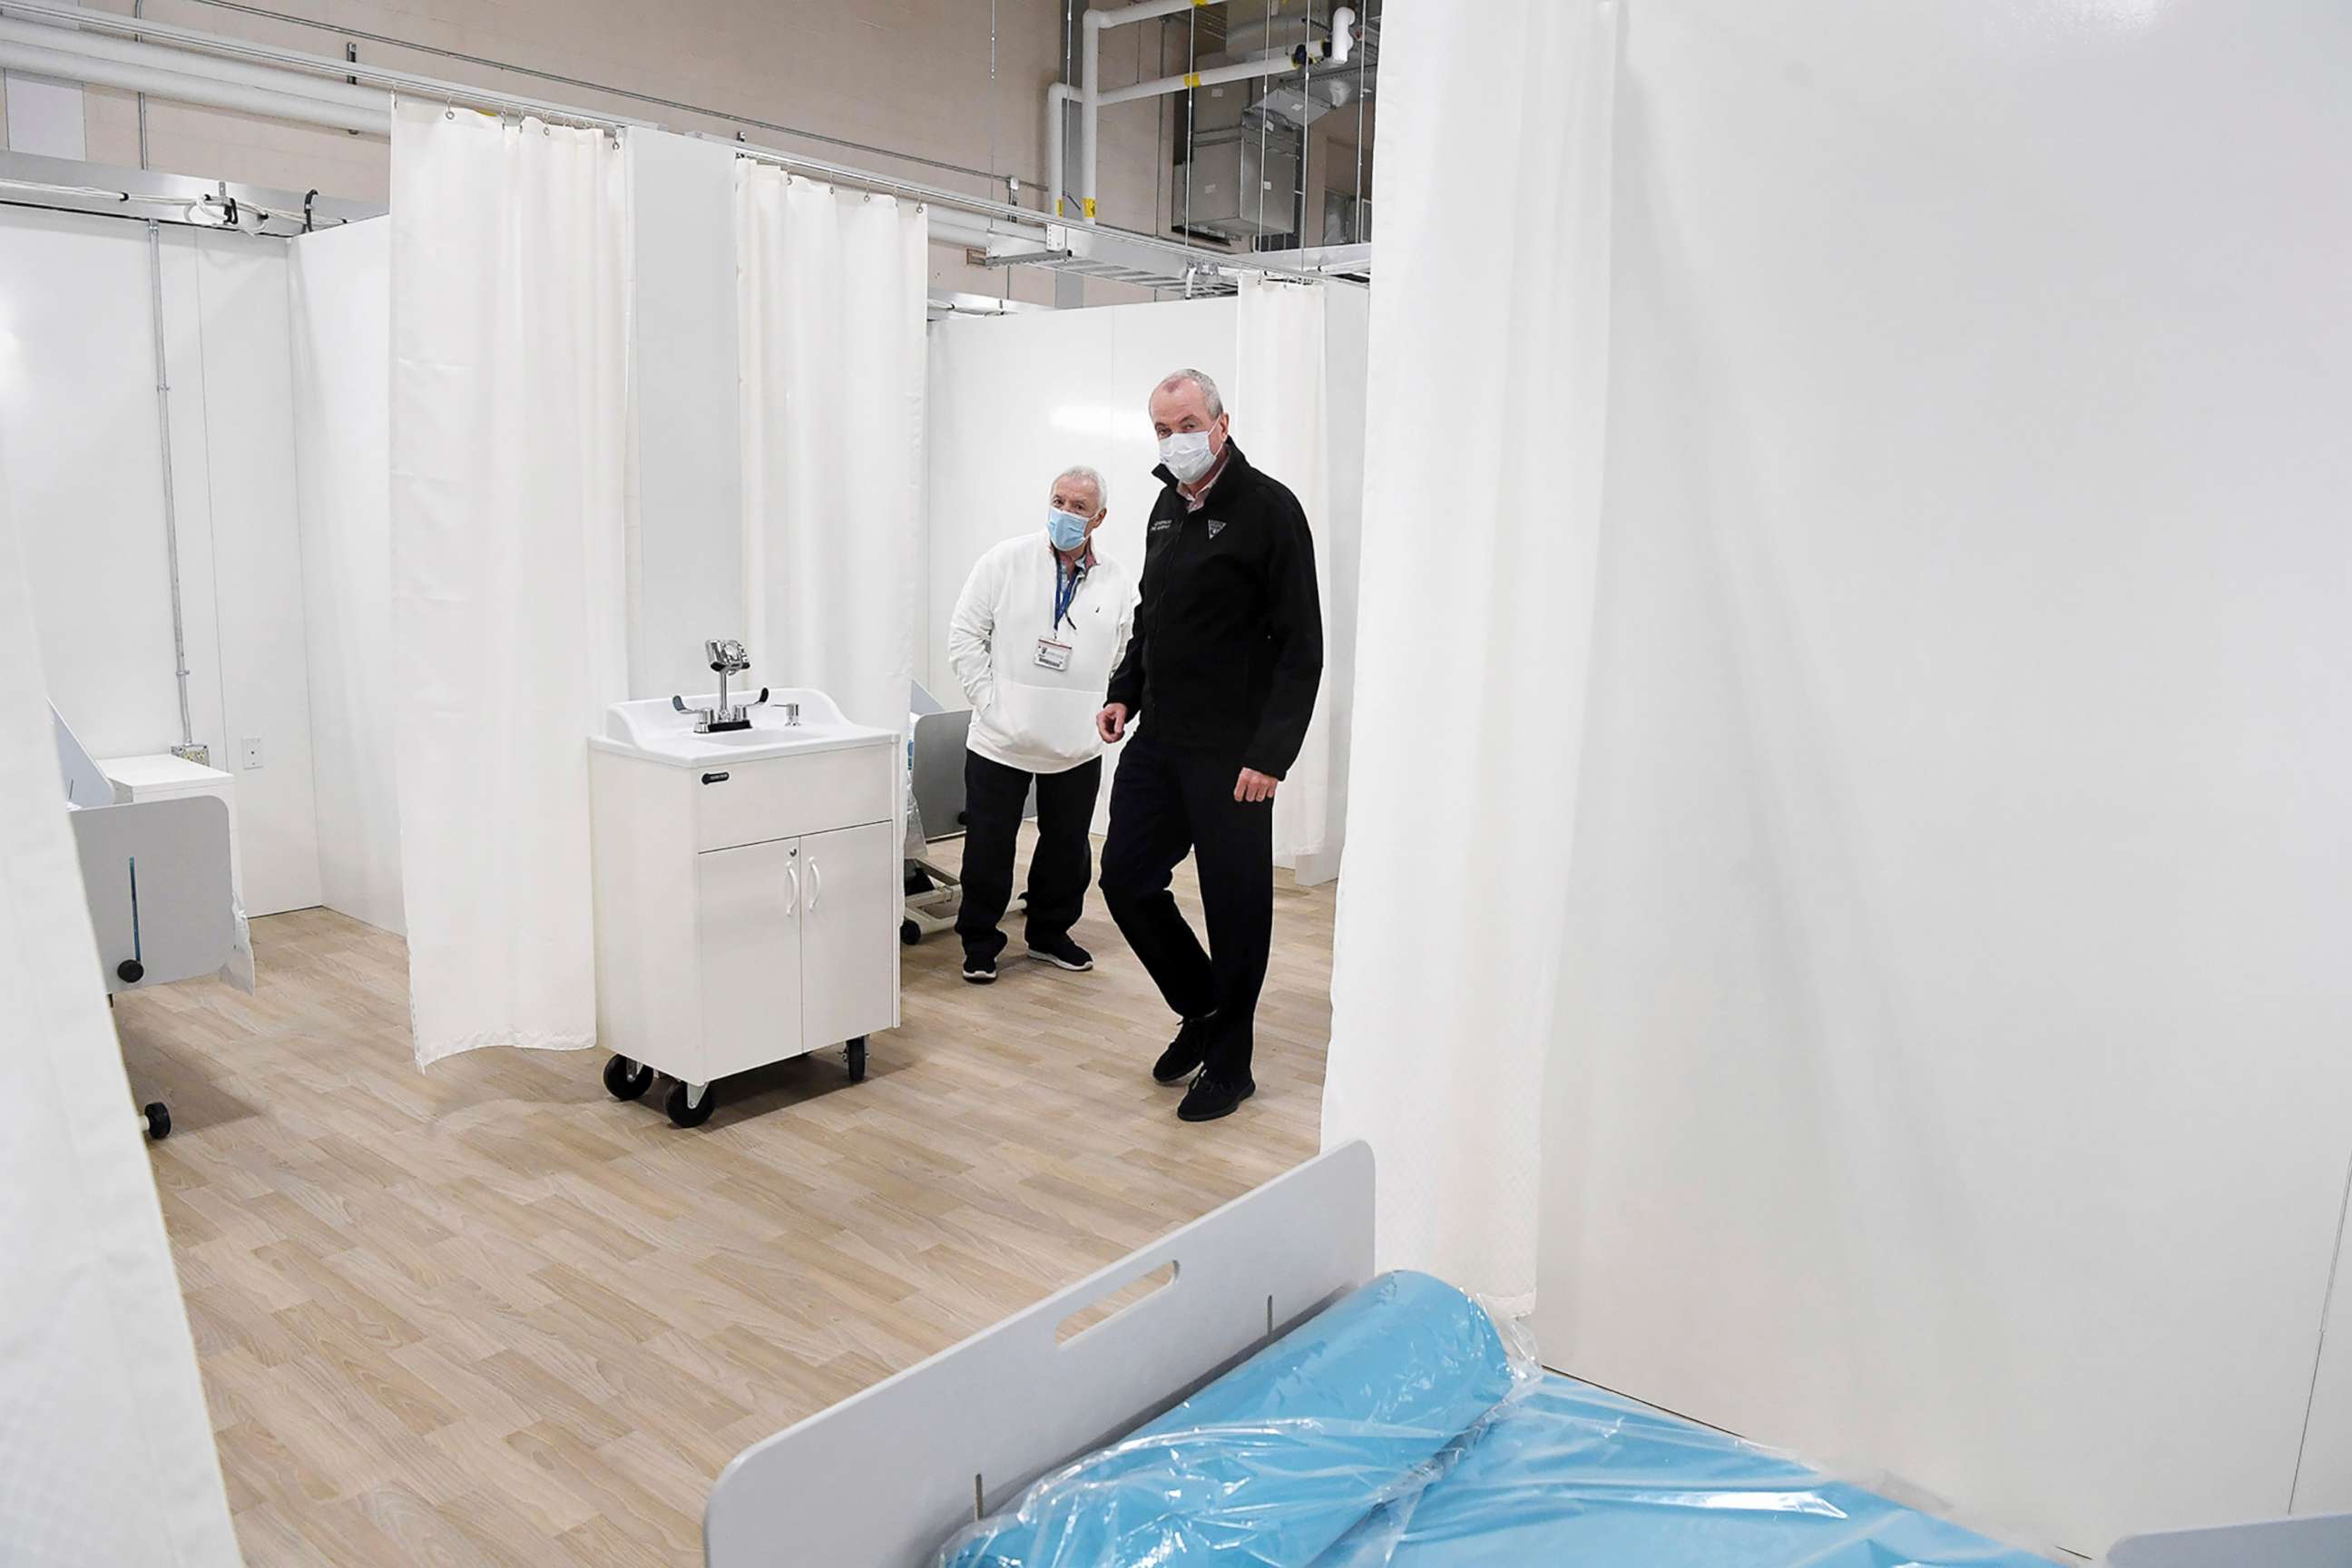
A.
x: 1024, y: 714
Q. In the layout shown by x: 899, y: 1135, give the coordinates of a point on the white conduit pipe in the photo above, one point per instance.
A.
x: 1092, y: 98
x: 1248, y: 70
x: 267, y: 102
x: 1145, y: 11
x: 181, y: 62
x: 1090, y: 92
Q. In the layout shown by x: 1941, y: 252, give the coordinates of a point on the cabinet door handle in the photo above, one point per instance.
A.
x: 817, y: 886
x: 791, y: 905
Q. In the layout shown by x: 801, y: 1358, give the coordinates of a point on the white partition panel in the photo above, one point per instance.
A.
x: 340, y: 296
x: 686, y: 475
x: 84, y: 472
x: 248, y: 511
x: 86, y: 476
x: 1955, y: 1076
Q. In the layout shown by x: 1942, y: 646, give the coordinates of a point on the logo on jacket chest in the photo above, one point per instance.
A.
x: 1217, y: 526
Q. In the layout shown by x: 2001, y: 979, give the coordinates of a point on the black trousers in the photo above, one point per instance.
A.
x: 1058, y: 872
x: 1164, y: 803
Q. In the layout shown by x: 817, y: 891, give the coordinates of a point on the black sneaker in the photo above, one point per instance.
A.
x: 1212, y: 1096
x: 1185, y: 1053
x: 1063, y: 953
x: 980, y: 971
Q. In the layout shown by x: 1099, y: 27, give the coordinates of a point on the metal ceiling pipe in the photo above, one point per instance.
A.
x: 1092, y: 98
x: 179, y: 87
x: 1144, y: 11
x: 1247, y: 70
x: 181, y: 62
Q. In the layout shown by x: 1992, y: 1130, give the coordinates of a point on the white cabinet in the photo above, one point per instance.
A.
x: 748, y: 896
x: 851, y: 888
x: 748, y: 906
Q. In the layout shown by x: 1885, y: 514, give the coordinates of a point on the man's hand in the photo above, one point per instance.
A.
x: 1253, y: 787
x: 1111, y: 722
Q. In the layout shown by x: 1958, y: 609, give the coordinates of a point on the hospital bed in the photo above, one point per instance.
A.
x: 1288, y: 1397
x: 158, y: 879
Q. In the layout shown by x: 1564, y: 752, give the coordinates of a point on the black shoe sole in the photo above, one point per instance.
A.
x: 1061, y: 962
x: 1184, y: 1115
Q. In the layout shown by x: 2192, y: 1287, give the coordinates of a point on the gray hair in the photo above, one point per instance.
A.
x: 1200, y: 378
x: 1081, y: 471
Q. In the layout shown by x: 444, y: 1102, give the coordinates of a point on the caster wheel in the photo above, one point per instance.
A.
x: 159, y: 1120
x: 625, y: 1080
x: 693, y: 1114
x: 856, y: 1052
x: 909, y: 932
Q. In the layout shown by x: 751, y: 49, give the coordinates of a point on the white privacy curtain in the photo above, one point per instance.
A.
x: 106, y: 1453
x: 508, y: 427
x: 1481, y: 531
x: 1281, y: 417
x: 831, y: 301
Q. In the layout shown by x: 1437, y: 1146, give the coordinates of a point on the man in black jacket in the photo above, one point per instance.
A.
x: 1221, y: 669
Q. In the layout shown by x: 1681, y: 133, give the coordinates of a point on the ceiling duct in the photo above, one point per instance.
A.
x: 1254, y: 31
x: 1242, y: 144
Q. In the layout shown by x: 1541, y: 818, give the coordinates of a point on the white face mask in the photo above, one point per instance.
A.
x: 1187, y: 455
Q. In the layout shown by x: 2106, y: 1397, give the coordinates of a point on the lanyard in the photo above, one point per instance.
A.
x: 1066, y: 591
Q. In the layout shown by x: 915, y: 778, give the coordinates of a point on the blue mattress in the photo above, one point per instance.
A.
x: 1396, y: 1429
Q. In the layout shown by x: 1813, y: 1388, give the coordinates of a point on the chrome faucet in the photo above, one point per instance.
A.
x: 727, y: 660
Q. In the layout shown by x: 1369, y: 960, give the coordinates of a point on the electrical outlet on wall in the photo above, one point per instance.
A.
x: 250, y: 750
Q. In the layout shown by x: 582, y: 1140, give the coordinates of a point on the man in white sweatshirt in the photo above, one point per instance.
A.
x: 1040, y: 627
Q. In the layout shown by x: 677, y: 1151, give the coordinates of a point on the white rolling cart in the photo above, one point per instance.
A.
x: 748, y: 889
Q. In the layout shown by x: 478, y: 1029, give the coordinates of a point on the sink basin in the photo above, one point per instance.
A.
x: 651, y: 727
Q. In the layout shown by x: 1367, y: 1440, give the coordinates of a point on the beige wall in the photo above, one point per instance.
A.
x: 910, y: 75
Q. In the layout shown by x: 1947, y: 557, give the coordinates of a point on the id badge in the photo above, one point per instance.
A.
x: 1052, y: 654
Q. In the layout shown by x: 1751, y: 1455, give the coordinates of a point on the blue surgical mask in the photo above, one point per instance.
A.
x: 1067, y: 530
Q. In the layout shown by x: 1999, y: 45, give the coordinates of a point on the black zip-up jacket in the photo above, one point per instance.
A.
x: 1227, y: 648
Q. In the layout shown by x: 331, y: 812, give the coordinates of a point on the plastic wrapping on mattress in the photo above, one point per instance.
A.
x: 1572, y: 1474
x: 1398, y: 1429
x: 1276, y: 1461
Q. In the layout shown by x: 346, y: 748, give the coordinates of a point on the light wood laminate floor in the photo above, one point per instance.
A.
x: 485, y: 1314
